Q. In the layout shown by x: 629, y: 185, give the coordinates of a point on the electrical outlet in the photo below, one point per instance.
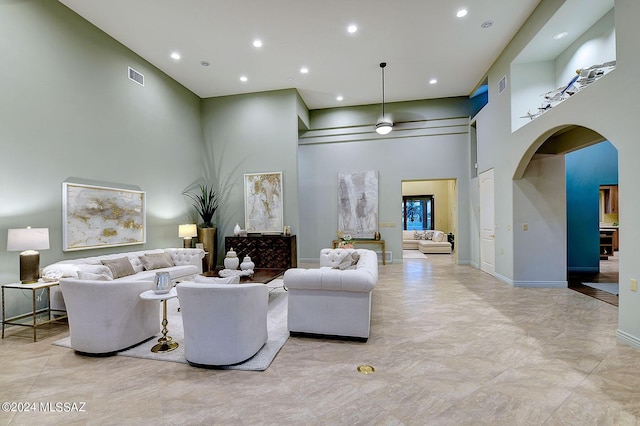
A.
x: 633, y: 286
x: 387, y: 224
x: 525, y: 226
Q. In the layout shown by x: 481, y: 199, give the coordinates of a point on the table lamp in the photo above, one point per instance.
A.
x: 27, y: 241
x: 187, y: 232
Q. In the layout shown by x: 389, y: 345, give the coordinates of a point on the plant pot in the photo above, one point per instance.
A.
x: 207, y: 236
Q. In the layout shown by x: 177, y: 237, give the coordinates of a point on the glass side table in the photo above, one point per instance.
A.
x: 35, y: 322
x: 165, y: 343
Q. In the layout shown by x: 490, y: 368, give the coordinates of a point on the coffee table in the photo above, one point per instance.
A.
x: 260, y: 275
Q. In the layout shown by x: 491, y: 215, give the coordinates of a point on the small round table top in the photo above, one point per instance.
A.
x: 152, y: 295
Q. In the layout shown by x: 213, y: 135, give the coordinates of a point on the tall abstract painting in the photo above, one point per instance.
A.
x: 263, y: 211
x: 358, y: 203
x: 96, y: 217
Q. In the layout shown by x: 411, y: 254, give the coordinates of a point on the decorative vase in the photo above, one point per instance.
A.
x: 236, y: 230
x: 162, y: 283
x: 247, y: 264
x: 207, y: 236
x: 231, y: 261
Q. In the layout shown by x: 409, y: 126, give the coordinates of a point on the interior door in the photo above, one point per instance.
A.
x: 487, y: 223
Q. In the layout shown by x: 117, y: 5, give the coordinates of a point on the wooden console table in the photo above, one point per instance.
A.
x: 266, y: 251
x: 355, y: 242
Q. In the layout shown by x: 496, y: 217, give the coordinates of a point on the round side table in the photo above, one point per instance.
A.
x: 165, y: 343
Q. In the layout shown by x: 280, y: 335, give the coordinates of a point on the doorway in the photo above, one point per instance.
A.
x: 430, y: 204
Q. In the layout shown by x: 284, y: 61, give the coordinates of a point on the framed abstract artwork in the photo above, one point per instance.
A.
x: 263, y: 207
x: 358, y: 203
x: 97, y: 217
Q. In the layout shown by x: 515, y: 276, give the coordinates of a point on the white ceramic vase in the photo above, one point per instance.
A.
x: 247, y: 264
x: 236, y: 230
x: 231, y: 261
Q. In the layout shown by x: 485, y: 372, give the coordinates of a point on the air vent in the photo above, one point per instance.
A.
x: 136, y: 76
x: 502, y: 84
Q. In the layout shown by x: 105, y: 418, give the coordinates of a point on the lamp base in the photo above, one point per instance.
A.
x: 186, y: 243
x: 29, y: 267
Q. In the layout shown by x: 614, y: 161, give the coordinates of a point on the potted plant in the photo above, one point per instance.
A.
x: 205, y: 202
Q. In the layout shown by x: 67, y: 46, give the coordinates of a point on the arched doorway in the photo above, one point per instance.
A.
x: 541, y: 215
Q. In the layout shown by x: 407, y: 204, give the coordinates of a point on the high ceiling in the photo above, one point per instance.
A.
x: 419, y: 39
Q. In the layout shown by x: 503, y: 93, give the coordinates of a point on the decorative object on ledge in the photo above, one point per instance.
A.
x: 263, y: 206
x: 97, y: 217
x: 231, y: 261
x: 187, y: 232
x: 286, y: 231
x: 28, y: 241
x: 237, y: 229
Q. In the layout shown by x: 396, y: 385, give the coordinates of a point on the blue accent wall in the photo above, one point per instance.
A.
x: 586, y: 170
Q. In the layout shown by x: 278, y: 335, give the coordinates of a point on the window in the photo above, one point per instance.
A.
x: 418, y: 212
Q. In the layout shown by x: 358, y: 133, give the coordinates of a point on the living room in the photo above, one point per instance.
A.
x: 70, y: 113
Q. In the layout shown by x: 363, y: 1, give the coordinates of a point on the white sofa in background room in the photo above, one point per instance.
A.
x: 334, y: 300
x: 426, y: 241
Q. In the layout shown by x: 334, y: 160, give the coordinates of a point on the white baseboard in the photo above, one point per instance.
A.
x: 541, y: 284
x: 388, y: 256
x: 628, y: 339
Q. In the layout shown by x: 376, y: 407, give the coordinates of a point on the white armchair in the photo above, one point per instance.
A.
x: 108, y: 316
x: 223, y: 324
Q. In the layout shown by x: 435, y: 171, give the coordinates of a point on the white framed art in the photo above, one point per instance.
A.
x: 263, y: 206
x: 98, y: 216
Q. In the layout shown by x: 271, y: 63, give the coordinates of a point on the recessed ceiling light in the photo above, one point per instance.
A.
x: 205, y: 63
x: 352, y: 29
x: 487, y: 24
x: 433, y: 81
x: 339, y: 98
x: 304, y: 70
x: 561, y: 35
x: 461, y: 13
x: 257, y: 43
x: 243, y: 78
x: 175, y: 56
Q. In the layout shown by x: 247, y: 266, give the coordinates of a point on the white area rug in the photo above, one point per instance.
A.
x: 276, y: 327
x: 611, y: 288
x: 413, y: 254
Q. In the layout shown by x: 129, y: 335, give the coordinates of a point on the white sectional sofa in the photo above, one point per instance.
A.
x: 105, y: 311
x: 334, y: 300
x: 186, y: 263
x: 426, y: 241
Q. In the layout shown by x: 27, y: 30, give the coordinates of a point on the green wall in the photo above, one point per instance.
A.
x: 68, y: 110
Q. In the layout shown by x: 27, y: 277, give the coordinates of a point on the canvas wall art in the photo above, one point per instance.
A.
x: 358, y: 203
x: 96, y: 217
x: 263, y: 207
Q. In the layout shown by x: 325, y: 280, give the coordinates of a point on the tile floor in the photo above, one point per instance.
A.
x: 450, y: 345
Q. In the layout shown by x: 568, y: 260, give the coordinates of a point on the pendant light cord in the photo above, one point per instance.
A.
x: 383, y: 65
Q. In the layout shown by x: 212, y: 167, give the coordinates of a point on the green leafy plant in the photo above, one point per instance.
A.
x: 205, y: 201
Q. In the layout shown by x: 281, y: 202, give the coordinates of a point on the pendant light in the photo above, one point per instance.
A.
x: 383, y: 126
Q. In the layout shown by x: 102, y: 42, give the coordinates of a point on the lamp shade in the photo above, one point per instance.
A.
x: 28, y: 239
x: 188, y: 231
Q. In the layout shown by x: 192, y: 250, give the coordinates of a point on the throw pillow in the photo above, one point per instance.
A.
x: 156, y: 261
x: 120, y: 267
x: 234, y: 279
x: 82, y: 275
x: 348, y: 262
x: 438, y: 236
x: 417, y: 236
x: 95, y: 269
x: 428, y: 235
